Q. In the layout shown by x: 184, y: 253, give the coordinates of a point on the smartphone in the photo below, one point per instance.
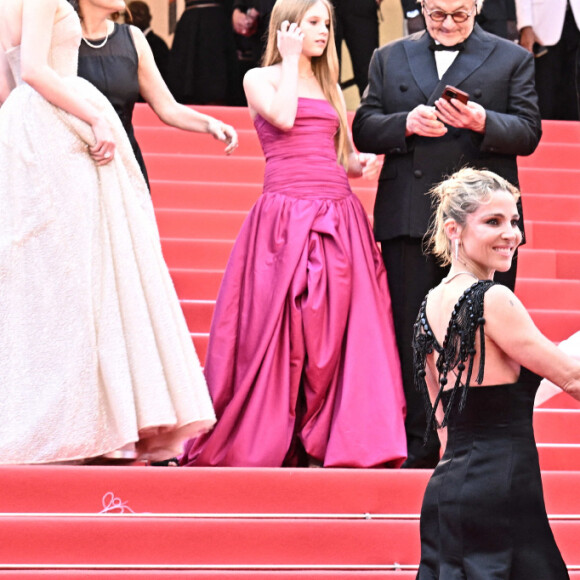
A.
x: 450, y: 92
x: 539, y: 50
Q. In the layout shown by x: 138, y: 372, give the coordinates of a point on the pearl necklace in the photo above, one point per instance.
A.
x: 306, y: 76
x: 98, y: 45
x: 448, y: 279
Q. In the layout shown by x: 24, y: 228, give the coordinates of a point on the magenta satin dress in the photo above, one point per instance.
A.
x: 302, y: 354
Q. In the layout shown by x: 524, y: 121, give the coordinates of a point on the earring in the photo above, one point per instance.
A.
x: 456, y: 248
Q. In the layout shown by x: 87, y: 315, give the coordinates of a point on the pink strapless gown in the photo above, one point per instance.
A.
x: 302, y: 353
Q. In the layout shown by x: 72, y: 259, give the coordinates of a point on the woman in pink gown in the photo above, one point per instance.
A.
x: 302, y: 363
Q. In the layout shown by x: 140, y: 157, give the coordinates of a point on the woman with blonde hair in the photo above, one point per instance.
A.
x: 302, y: 363
x: 479, y: 359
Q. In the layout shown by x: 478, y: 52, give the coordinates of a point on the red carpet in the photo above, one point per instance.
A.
x: 217, y: 524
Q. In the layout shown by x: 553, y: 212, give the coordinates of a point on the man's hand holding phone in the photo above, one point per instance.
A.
x: 456, y: 110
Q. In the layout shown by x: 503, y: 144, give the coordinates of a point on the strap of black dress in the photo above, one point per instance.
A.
x: 457, y: 352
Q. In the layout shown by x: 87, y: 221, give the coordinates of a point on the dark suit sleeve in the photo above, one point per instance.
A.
x: 518, y: 130
x: 374, y: 130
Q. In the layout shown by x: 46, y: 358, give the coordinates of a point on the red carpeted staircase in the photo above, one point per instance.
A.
x: 145, y: 522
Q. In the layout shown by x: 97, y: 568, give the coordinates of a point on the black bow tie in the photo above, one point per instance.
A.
x: 456, y: 47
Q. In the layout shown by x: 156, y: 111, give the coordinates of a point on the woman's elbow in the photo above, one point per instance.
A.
x: 31, y: 75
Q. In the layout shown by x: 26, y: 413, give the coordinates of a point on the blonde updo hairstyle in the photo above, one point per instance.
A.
x: 325, y: 66
x: 457, y: 197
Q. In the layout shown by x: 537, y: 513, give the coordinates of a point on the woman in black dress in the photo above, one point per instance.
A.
x: 118, y: 60
x: 478, y: 360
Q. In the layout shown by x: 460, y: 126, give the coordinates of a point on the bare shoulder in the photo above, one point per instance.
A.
x: 267, y: 75
x: 138, y: 37
x: 501, y: 297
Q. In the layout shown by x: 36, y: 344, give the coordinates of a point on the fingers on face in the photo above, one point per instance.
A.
x: 292, y: 28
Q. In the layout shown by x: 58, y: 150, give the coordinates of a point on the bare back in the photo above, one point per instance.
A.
x: 499, y: 367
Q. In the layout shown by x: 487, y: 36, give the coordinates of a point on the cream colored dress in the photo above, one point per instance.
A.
x: 94, y: 351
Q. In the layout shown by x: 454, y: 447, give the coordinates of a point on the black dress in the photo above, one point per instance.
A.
x: 202, y: 62
x: 483, y: 514
x: 113, y: 69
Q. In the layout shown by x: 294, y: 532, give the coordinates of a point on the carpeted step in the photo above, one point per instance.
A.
x: 551, y: 207
x: 169, y: 140
x: 552, y: 156
x: 199, y: 254
x: 218, y: 195
x: 219, y: 490
x: 200, y: 341
x: 198, y: 167
x: 224, y: 574
x: 559, y: 457
x: 561, y: 401
x: 192, y: 284
x: 170, y: 540
x: 550, y: 181
x: 548, y: 264
x: 557, y: 425
x: 557, y: 325
x: 560, y: 235
x: 549, y: 293
x: 232, y: 574
x: 89, y: 489
x: 162, y: 541
x: 200, y: 224
x: 239, y: 117
x: 198, y: 314
x: 187, y: 195
x: 560, y: 132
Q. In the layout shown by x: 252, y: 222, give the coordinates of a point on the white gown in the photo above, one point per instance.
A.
x: 94, y: 351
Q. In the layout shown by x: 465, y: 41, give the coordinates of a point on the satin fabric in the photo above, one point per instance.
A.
x: 302, y: 354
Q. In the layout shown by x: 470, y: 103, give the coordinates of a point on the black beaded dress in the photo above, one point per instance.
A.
x: 113, y: 68
x: 483, y: 514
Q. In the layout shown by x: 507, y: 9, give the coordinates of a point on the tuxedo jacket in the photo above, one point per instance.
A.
x: 546, y: 17
x: 498, y: 74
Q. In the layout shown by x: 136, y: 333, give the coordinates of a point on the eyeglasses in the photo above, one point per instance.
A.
x: 458, y: 16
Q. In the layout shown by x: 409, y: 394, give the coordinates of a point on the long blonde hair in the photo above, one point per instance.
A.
x: 456, y: 198
x: 325, y: 66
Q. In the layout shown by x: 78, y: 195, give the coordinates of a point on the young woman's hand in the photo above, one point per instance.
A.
x: 290, y: 39
x: 371, y: 165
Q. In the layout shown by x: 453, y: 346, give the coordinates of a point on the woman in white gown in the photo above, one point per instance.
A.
x: 95, y: 354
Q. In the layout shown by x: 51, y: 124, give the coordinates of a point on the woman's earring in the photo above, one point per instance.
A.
x: 456, y: 248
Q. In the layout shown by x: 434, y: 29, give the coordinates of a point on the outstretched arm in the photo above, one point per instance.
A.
x: 154, y: 90
x: 510, y: 326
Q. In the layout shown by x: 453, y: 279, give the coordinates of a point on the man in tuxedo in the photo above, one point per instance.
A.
x: 551, y: 30
x: 425, y: 138
x: 495, y: 16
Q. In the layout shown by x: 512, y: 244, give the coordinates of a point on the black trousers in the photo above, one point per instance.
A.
x: 357, y: 24
x: 411, y: 274
x: 558, y: 75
